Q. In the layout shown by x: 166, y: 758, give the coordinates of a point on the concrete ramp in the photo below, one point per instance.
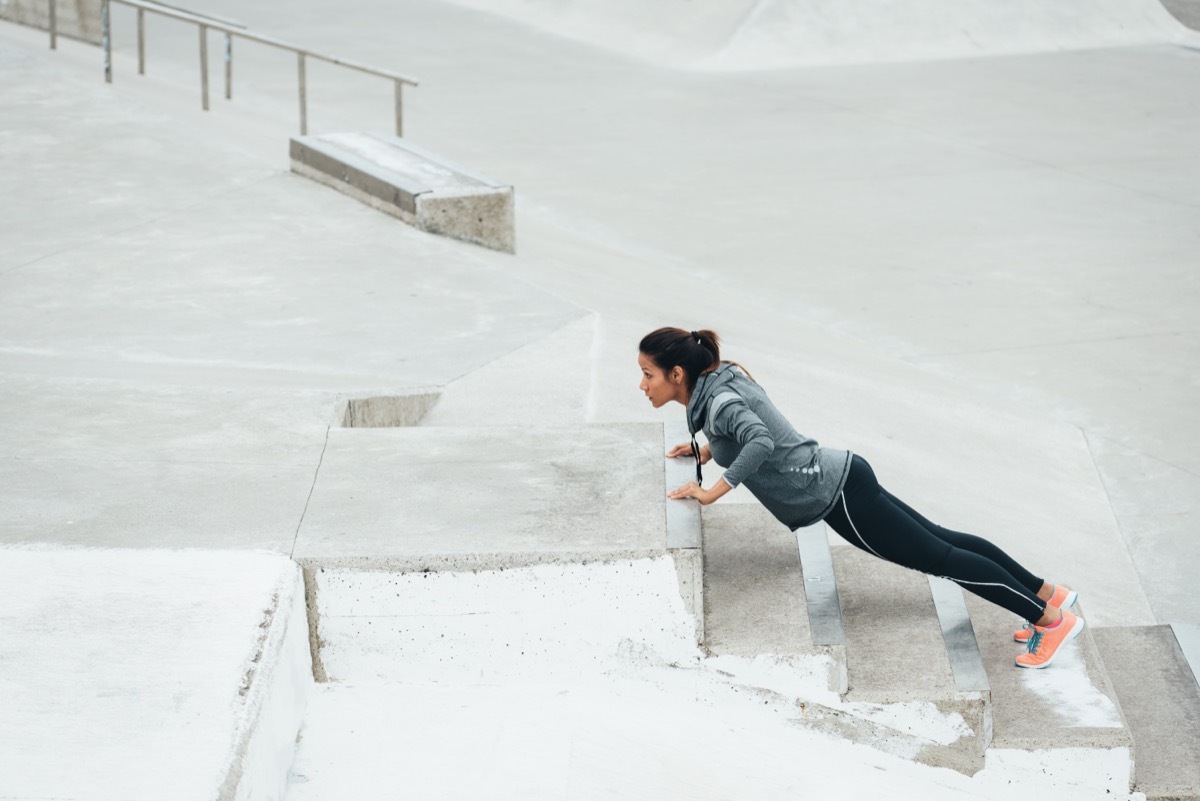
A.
x: 778, y: 34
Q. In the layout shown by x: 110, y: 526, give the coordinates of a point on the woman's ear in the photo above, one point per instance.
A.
x: 676, y: 375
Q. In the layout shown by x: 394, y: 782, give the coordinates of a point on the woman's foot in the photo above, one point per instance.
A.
x: 1046, y: 642
x: 1062, y: 597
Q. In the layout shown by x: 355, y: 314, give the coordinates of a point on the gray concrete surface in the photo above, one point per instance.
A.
x: 1161, y: 701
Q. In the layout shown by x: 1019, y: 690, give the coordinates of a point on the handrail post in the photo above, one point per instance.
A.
x: 141, y: 16
x: 228, y: 66
x: 399, y: 108
x: 106, y: 39
x: 303, y: 99
x: 53, y: 24
x: 204, y: 67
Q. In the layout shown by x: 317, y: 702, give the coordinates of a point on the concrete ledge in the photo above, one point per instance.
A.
x: 408, y: 182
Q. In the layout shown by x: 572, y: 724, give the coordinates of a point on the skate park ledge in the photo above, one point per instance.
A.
x: 423, y: 189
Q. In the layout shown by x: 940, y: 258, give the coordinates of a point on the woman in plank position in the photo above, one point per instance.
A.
x: 801, y: 483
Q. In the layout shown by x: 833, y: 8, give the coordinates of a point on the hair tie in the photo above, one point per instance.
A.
x: 696, y: 337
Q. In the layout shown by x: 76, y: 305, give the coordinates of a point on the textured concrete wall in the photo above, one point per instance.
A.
x: 79, y: 19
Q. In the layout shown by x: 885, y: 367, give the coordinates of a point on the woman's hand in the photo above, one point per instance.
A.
x: 689, y: 490
x: 694, y: 490
x: 685, y: 449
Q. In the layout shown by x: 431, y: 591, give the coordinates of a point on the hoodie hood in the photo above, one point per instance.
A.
x: 708, y: 386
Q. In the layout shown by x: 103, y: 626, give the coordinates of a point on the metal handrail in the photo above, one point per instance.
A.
x: 230, y: 29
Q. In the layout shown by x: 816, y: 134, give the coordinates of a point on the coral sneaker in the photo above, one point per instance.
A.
x: 1063, y: 598
x: 1046, y: 643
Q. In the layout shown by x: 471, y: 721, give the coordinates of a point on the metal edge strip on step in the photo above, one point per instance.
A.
x: 820, y: 587
x: 962, y: 649
x: 683, y: 517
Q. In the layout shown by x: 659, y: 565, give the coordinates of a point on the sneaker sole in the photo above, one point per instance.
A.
x: 1072, y: 634
x: 1072, y: 597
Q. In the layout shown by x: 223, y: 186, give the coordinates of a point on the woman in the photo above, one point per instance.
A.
x: 801, y: 483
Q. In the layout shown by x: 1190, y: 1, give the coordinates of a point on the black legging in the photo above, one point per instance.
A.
x: 867, y: 515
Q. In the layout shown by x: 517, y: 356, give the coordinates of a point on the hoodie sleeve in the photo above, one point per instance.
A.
x: 735, y: 420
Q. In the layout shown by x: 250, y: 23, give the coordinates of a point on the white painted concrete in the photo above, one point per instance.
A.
x: 583, y: 681
x: 127, y: 674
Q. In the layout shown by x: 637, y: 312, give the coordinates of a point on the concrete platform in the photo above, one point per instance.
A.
x: 444, y: 498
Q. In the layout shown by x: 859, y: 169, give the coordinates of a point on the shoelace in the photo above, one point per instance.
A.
x: 1035, y: 637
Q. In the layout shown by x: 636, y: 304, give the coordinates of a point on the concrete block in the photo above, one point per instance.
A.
x: 413, y: 184
x: 1161, y: 702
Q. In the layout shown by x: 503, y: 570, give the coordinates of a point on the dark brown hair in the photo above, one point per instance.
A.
x: 694, y: 351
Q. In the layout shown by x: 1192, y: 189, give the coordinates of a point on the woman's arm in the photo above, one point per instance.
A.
x: 735, y: 420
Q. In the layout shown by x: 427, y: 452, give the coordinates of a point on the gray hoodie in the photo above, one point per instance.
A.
x: 796, y: 479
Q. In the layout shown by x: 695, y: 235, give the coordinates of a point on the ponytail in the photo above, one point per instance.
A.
x: 694, y: 351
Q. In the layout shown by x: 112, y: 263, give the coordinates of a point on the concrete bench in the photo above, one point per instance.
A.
x: 401, y: 179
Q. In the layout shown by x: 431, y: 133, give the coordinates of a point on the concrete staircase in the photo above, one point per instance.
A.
x: 1118, y: 712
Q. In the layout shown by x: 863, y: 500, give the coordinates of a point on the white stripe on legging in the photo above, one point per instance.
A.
x: 846, y: 508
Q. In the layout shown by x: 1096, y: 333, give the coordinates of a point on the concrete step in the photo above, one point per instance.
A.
x: 882, y: 688
x: 1063, y: 721
x: 754, y: 597
x: 896, y: 654
x: 1161, y: 701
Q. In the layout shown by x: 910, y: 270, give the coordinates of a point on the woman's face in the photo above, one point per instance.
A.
x: 661, y: 387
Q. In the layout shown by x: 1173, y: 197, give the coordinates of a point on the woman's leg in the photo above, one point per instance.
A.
x: 970, y: 542
x: 867, y: 517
